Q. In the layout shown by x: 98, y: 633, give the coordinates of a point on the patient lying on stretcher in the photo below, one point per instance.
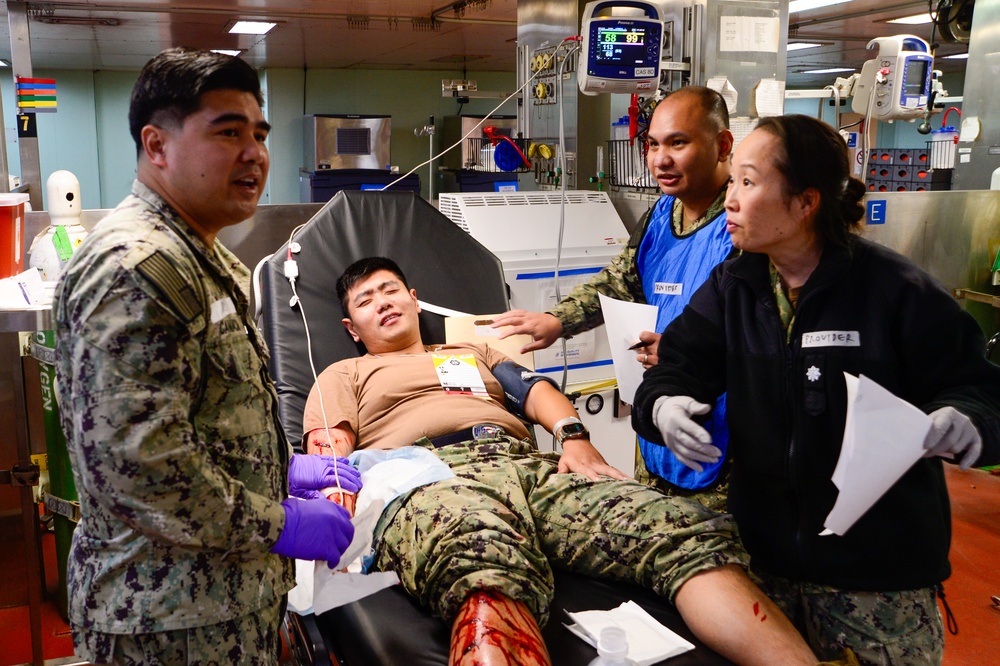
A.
x: 479, y: 548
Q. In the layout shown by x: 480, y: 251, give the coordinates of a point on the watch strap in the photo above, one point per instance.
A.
x: 560, y: 426
x: 566, y: 421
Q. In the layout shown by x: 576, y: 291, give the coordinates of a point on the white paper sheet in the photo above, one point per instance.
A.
x: 768, y: 98
x: 623, y: 323
x: 758, y: 34
x: 741, y: 126
x: 25, y: 291
x: 883, y: 438
x: 721, y: 85
x: 649, y: 642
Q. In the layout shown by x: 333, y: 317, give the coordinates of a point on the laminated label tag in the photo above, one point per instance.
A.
x: 459, y: 375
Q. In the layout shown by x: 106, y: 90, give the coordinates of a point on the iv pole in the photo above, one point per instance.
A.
x: 428, y: 131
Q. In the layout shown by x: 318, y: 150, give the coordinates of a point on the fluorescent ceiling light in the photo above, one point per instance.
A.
x: 798, y: 46
x: 228, y: 52
x: 832, y: 70
x: 916, y: 19
x: 806, y: 5
x: 251, y: 27
x: 957, y: 56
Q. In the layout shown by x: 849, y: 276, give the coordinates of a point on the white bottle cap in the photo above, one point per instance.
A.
x: 613, y: 643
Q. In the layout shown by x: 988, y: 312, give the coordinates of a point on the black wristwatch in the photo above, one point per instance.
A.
x: 569, y: 428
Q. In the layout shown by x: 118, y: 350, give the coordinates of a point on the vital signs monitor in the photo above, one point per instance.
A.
x: 621, y: 47
x: 897, y: 84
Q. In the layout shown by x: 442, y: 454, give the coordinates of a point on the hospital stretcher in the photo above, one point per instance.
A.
x: 451, y: 269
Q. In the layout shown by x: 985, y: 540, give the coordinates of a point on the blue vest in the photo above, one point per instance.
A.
x: 671, y: 270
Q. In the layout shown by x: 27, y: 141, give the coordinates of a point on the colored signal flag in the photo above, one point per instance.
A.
x: 35, y: 95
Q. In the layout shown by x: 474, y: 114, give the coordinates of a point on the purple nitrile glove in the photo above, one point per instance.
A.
x: 308, y: 474
x: 314, y: 530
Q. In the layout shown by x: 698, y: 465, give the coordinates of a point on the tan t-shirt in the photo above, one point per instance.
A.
x: 392, y: 401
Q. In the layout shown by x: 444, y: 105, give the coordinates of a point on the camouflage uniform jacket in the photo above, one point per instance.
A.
x: 581, y: 310
x: 170, y: 417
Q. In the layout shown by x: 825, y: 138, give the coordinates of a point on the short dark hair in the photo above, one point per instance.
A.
x: 170, y: 86
x: 713, y: 104
x: 814, y: 155
x: 359, y: 271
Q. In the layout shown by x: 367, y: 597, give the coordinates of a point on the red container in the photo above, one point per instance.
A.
x: 12, y: 233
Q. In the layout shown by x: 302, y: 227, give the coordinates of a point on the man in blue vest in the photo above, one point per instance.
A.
x: 669, y: 254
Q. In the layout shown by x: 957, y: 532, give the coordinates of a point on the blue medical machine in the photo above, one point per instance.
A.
x: 896, y: 85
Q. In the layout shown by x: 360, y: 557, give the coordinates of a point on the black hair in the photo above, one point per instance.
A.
x: 712, y: 104
x: 813, y: 155
x: 359, y: 271
x: 170, y: 86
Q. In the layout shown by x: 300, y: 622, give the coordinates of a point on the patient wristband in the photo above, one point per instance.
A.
x: 516, y: 381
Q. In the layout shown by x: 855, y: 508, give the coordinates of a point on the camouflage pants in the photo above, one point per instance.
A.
x: 507, y: 517
x: 251, y: 639
x: 883, y: 628
x: 715, y: 497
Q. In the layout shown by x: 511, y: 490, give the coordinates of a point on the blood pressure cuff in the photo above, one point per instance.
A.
x: 516, y: 381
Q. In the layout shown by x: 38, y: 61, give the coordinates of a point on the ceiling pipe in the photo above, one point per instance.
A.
x: 260, y: 13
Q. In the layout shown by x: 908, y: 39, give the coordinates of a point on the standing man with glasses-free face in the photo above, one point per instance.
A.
x: 182, y: 551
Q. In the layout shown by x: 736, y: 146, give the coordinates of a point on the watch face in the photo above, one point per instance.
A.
x: 571, y: 429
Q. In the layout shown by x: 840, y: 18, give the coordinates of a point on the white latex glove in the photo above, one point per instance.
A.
x: 686, y: 439
x: 951, y: 434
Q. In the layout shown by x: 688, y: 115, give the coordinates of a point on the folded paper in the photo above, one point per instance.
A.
x: 649, y: 642
x: 883, y: 437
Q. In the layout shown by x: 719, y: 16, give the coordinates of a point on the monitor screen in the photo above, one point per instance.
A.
x: 618, y: 44
x: 916, y: 78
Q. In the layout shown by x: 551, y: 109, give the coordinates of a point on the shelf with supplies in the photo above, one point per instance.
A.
x: 627, y: 165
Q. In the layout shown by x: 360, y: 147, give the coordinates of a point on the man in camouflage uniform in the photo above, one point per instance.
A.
x: 182, y: 470
x: 668, y: 256
x: 478, y: 548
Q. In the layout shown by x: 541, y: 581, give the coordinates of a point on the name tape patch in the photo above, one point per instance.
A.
x: 831, y: 339
x: 669, y: 288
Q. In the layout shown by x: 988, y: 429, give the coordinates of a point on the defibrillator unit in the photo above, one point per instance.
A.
x: 621, y: 47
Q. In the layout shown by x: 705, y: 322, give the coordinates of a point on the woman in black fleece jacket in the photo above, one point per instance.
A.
x: 776, y: 328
